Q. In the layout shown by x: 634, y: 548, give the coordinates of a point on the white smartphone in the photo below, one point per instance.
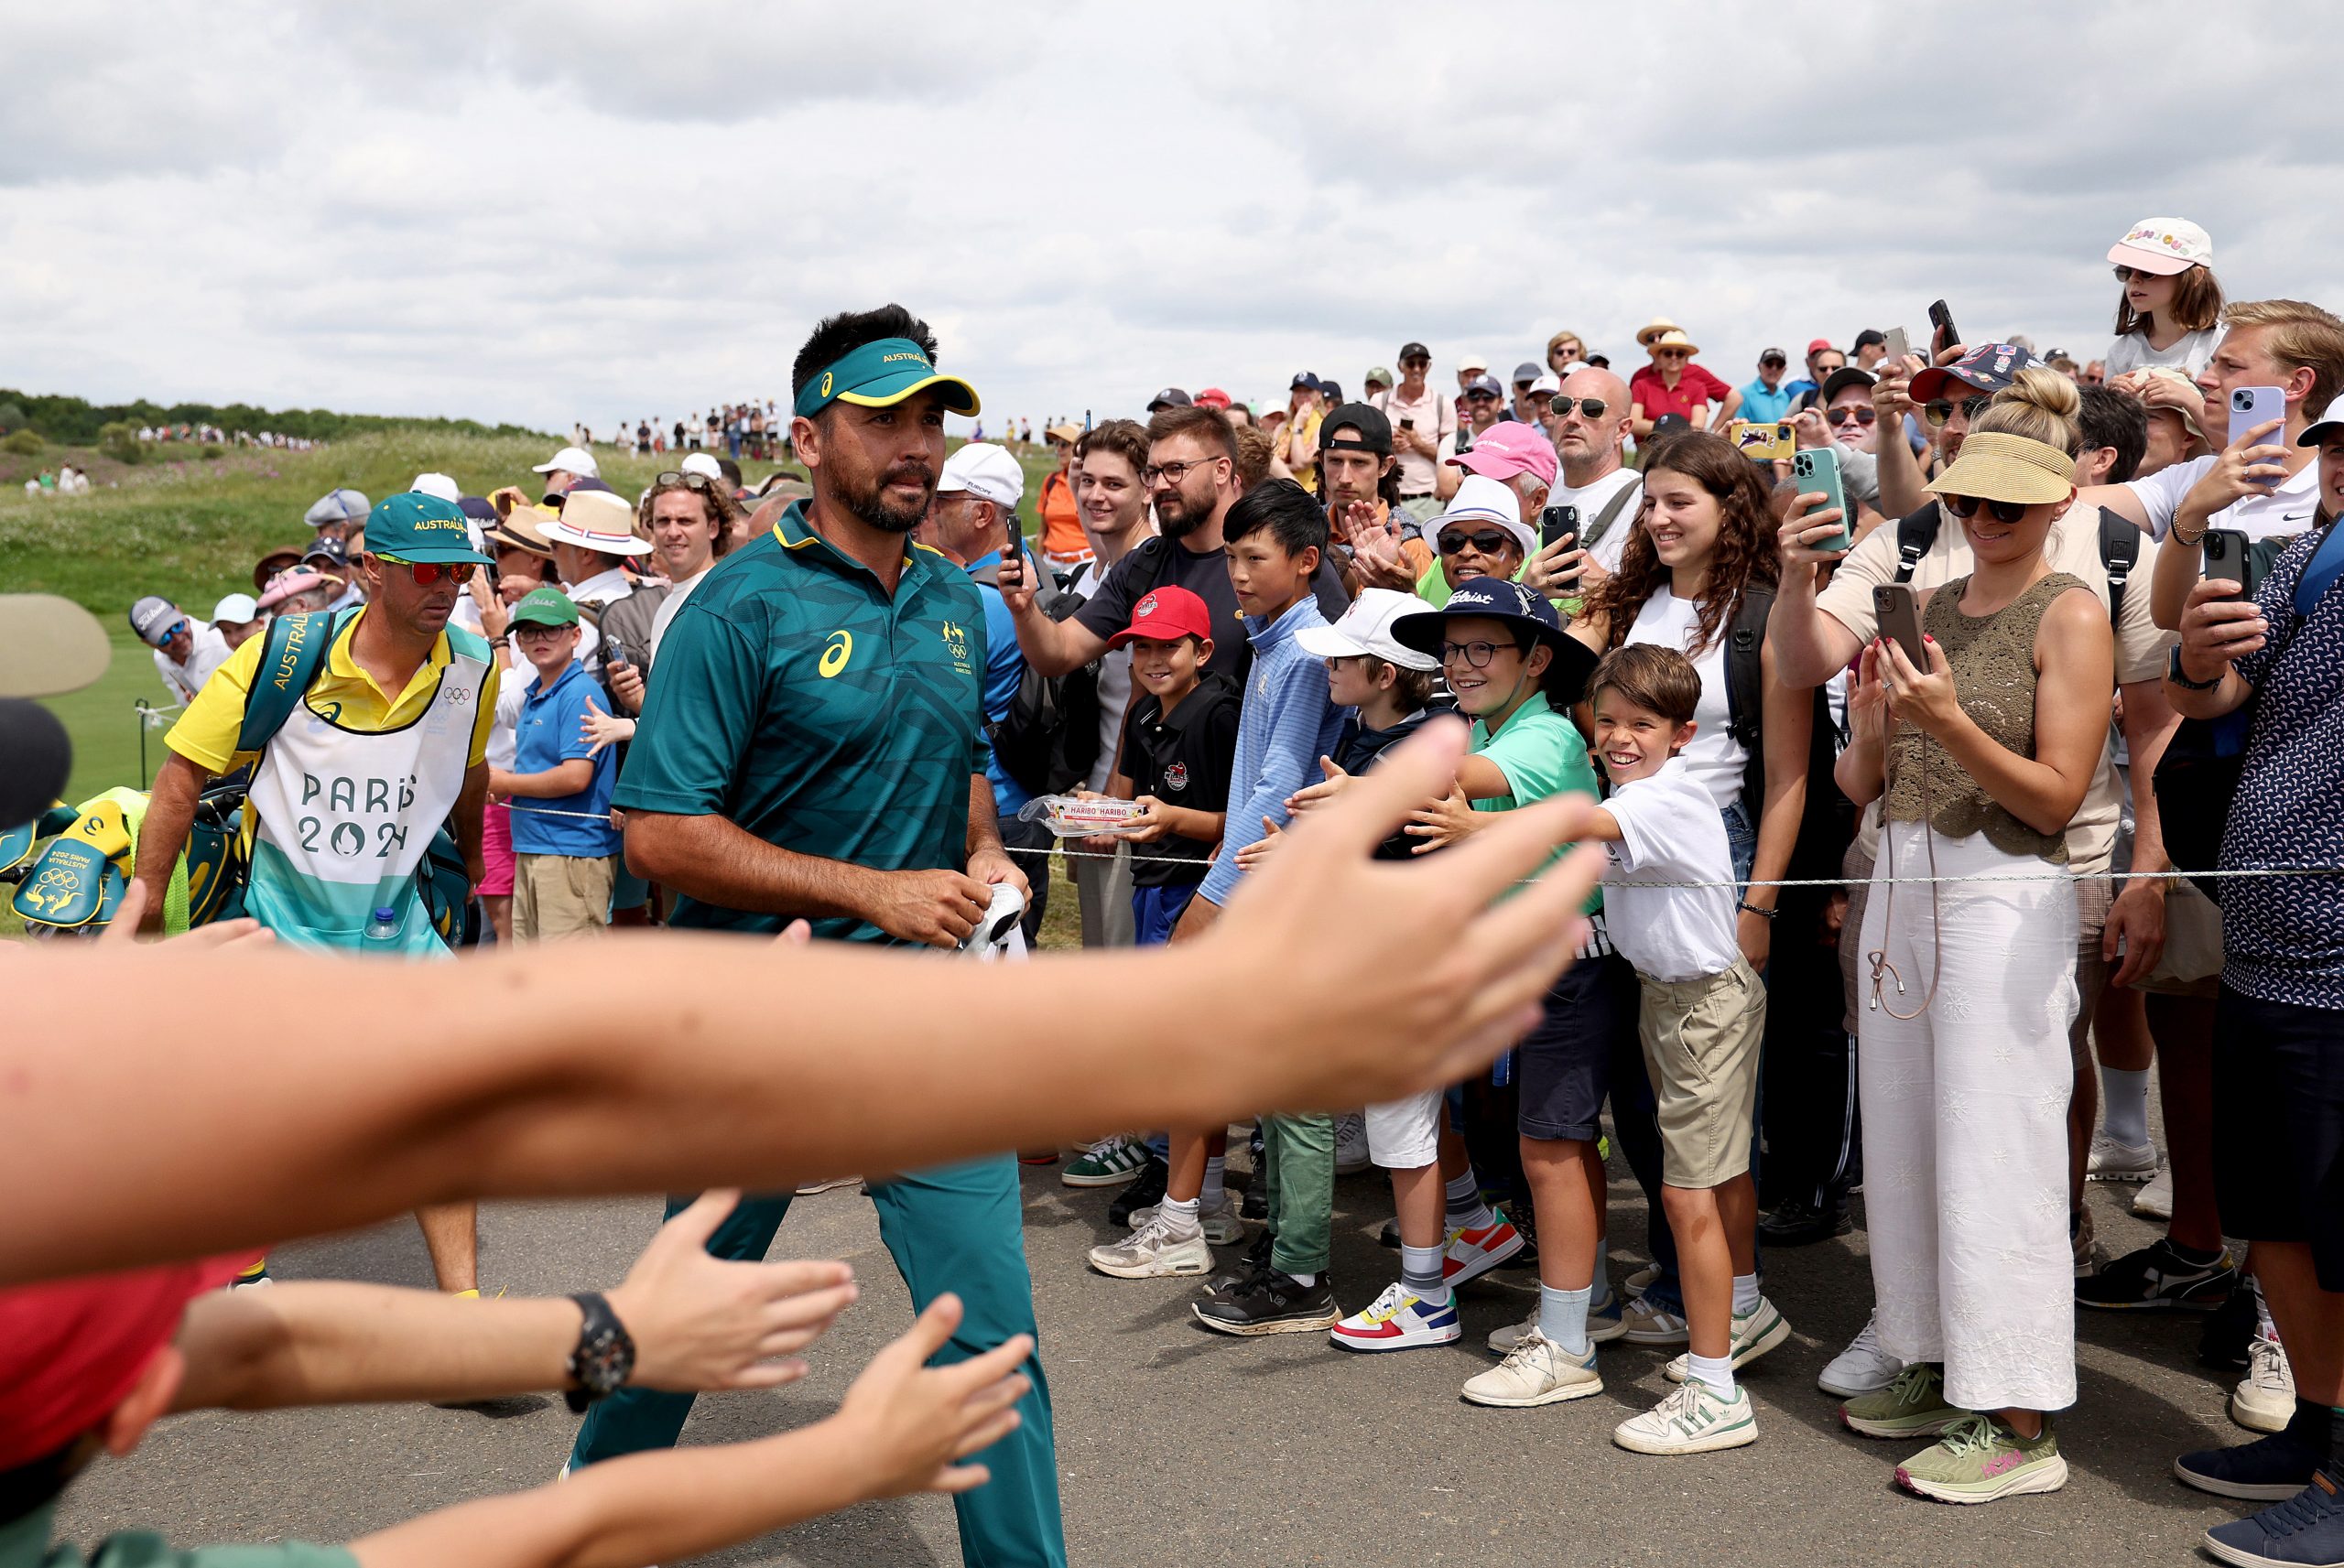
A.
x: 2253, y: 406
x: 1896, y: 347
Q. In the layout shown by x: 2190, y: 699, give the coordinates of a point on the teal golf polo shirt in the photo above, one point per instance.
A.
x: 800, y: 700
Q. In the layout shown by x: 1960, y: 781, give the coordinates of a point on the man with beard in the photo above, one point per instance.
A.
x: 814, y: 747
x: 1191, y: 476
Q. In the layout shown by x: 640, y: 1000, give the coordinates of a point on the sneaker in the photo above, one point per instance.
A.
x: 1399, y: 1319
x: 1640, y: 1281
x: 1537, y: 1372
x: 2308, y: 1528
x: 828, y: 1185
x: 1110, y: 1163
x: 1912, y: 1405
x: 255, y: 1276
x: 1351, y: 1144
x: 1255, y: 1258
x: 1270, y: 1301
x: 2226, y: 1341
x: 1144, y: 1191
x: 1759, y: 1330
x: 1979, y: 1459
x: 1390, y: 1235
x: 1648, y: 1324
x: 2158, y: 1279
x: 1153, y: 1252
x: 1473, y: 1253
x: 2155, y: 1201
x: 1256, y: 1205
x: 1604, y: 1325
x: 1802, y: 1224
x: 1221, y: 1227
x: 1039, y: 1157
x: 1527, y: 1223
x: 2268, y: 1469
x: 2079, y: 1241
x: 1863, y: 1367
x: 1694, y: 1419
x: 2264, y: 1400
x: 2114, y: 1161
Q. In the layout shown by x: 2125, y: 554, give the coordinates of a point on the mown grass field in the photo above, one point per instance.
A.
x: 191, y: 529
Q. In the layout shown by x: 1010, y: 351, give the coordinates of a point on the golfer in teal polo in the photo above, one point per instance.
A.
x: 814, y: 747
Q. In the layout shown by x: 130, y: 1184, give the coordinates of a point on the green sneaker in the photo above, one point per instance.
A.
x: 1759, y: 1330
x: 1979, y: 1459
x: 1911, y: 1406
x: 1110, y: 1163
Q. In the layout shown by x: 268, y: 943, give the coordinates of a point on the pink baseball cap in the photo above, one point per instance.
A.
x: 1510, y: 448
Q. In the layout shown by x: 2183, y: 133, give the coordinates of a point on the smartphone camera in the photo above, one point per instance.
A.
x: 2240, y: 402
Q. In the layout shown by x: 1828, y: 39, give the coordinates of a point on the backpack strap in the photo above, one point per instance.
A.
x: 1609, y: 515
x: 2120, y: 552
x: 1916, y: 532
x: 1745, y: 641
x: 289, y: 662
x: 1148, y: 559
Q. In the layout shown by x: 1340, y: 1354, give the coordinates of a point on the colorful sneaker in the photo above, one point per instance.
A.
x: 1351, y: 1144
x: 1398, y: 1321
x: 1759, y: 1330
x: 2308, y: 1528
x: 1912, y: 1405
x: 1979, y: 1459
x: 1863, y: 1367
x: 1153, y: 1252
x: 2155, y: 1201
x: 1648, y: 1324
x: 2158, y: 1279
x: 2113, y: 1162
x: 2269, y: 1469
x: 1473, y: 1253
x: 1694, y: 1419
x: 1537, y: 1372
x: 1221, y: 1227
x: 1146, y: 1189
x: 1268, y: 1300
x: 1110, y: 1163
x: 2264, y: 1400
x: 256, y: 1274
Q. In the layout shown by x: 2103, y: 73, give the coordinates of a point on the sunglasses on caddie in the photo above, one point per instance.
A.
x: 425, y: 573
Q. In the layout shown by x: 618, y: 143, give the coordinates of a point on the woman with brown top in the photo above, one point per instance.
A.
x: 1979, y: 759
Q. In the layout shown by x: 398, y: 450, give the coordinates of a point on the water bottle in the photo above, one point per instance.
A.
x: 384, y: 926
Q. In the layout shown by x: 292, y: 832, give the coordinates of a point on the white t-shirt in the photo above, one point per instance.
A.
x: 2188, y: 354
x: 1713, y: 756
x: 661, y: 617
x: 210, y: 651
x: 1592, y: 499
x: 2286, y: 510
x: 1669, y: 832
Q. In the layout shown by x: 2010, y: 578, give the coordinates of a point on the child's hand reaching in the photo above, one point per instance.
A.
x: 1261, y: 848
x: 1445, y: 821
x: 913, y: 1423
x: 603, y: 729
x: 1320, y: 793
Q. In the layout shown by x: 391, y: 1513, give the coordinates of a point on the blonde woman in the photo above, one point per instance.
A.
x: 1979, y: 752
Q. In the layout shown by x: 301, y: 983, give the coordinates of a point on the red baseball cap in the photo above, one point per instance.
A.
x: 1819, y: 345
x: 72, y: 1349
x: 1212, y: 397
x: 1163, y: 614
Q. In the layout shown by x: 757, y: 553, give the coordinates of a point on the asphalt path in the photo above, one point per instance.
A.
x: 1182, y: 1445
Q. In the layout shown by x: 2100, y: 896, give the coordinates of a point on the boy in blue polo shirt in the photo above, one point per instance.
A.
x: 564, y: 865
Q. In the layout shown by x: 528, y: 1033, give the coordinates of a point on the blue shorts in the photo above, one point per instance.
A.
x: 1563, y: 1068
x: 1155, y: 911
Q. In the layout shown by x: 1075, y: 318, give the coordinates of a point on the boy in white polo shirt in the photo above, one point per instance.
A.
x: 1702, y: 1015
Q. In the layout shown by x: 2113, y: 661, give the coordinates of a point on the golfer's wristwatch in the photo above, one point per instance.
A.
x: 605, y: 1356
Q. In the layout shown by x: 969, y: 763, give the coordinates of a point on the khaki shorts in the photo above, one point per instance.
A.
x: 1700, y: 1038
x: 561, y: 896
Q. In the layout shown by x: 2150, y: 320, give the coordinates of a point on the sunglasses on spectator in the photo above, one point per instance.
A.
x: 1937, y: 410
x: 1966, y: 507
x: 177, y: 627
x: 425, y: 573
x: 1477, y: 654
x: 674, y: 479
x: 1481, y: 397
x: 1854, y: 414
x: 1488, y: 544
x: 1174, y: 471
x: 1589, y: 407
x: 1417, y: 359
x: 2127, y: 273
x: 1670, y: 354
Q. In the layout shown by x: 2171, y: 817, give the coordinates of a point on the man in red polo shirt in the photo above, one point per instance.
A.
x: 1673, y: 383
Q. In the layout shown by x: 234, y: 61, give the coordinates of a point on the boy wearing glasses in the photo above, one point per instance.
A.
x: 565, y: 849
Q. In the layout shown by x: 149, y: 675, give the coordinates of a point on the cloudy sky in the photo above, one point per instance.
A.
x: 543, y: 211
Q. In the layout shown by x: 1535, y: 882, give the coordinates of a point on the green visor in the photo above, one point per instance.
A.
x: 879, y: 375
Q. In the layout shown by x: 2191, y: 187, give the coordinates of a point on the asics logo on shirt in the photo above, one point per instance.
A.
x: 837, y: 649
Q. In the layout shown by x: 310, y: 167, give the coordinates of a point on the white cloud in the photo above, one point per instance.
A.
x: 543, y: 211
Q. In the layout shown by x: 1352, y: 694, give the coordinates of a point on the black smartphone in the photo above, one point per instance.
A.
x: 1946, y: 335
x: 1900, y: 619
x: 1556, y: 522
x: 2228, y: 555
x: 1407, y: 423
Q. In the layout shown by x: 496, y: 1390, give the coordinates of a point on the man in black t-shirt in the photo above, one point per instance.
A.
x: 1192, y: 478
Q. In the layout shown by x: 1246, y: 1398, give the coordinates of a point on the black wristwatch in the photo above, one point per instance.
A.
x: 2172, y: 673
x: 605, y: 1359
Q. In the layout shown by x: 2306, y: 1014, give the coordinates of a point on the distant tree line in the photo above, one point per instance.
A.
x: 77, y: 422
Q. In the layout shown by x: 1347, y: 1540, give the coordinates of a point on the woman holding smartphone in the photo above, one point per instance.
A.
x: 1980, y: 751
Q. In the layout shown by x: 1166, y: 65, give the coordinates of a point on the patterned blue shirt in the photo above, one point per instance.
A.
x: 1287, y: 725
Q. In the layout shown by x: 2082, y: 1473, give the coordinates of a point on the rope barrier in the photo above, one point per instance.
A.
x: 2242, y: 873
